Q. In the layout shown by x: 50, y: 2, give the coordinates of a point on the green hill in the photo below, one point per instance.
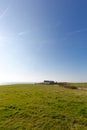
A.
x: 42, y: 107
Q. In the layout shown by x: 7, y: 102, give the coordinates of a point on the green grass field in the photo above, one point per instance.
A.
x: 42, y: 107
x: 81, y: 85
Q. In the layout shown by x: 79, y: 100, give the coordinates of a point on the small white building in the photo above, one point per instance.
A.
x: 48, y: 82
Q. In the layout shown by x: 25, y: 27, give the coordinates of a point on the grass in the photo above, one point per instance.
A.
x: 81, y: 85
x: 42, y: 107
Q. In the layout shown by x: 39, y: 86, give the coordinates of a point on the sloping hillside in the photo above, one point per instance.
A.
x: 42, y: 107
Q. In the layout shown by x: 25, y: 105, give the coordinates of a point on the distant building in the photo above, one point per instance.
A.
x: 48, y: 82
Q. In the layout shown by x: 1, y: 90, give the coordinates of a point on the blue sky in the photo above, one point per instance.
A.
x: 43, y: 39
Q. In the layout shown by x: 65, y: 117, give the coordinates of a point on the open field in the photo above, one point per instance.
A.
x: 42, y: 107
x: 80, y: 85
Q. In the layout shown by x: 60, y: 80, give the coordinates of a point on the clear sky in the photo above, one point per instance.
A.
x: 43, y: 39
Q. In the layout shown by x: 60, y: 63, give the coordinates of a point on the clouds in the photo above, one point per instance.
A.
x: 77, y: 31
x: 9, y: 37
x: 21, y: 33
x: 4, y: 13
x: 70, y: 34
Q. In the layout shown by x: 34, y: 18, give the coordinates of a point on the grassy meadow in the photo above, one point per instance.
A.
x: 42, y: 107
x: 78, y: 85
